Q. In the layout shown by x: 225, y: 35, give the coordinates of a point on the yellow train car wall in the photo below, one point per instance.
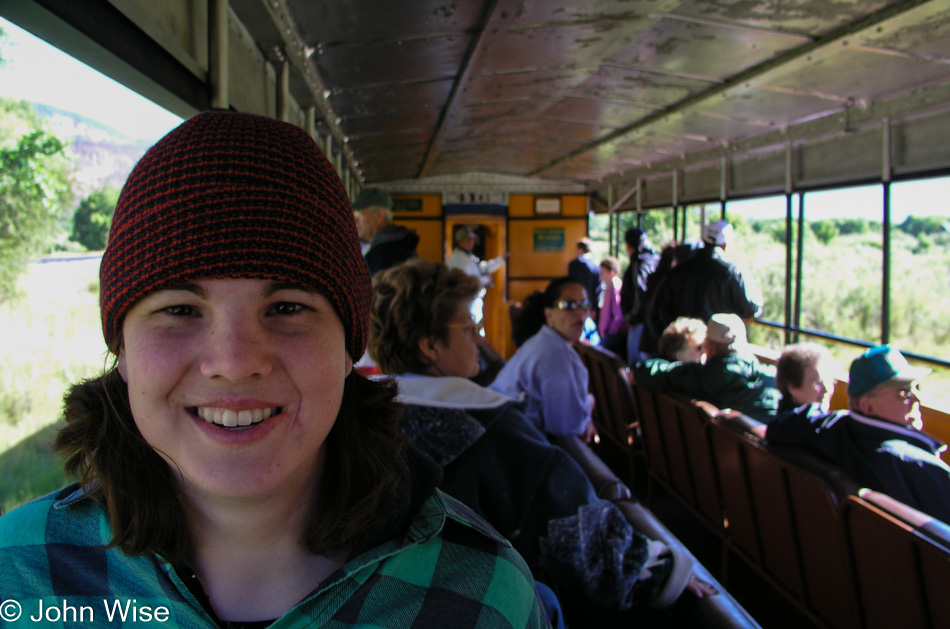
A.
x: 540, y: 234
x: 423, y: 215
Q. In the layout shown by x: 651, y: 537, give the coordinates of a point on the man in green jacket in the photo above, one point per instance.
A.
x: 731, y: 377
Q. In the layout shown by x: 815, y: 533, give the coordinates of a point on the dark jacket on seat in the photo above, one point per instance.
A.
x: 536, y: 495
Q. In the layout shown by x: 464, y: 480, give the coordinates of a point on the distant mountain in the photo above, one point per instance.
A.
x: 104, y: 156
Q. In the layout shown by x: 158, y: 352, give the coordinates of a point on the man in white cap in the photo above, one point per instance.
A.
x: 879, y: 440
x: 704, y: 285
x: 730, y: 378
x: 463, y: 259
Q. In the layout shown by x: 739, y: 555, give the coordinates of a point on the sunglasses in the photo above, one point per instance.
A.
x: 570, y: 305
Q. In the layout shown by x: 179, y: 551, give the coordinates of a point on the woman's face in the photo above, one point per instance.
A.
x: 568, y: 316
x: 818, y: 385
x: 458, y: 356
x: 236, y: 383
x: 693, y: 352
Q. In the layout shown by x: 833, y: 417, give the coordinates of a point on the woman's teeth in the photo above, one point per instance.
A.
x: 228, y: 418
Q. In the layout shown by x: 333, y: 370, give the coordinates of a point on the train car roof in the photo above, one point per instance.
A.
x: 582, y: 93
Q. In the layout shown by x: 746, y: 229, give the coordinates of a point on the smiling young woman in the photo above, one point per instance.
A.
x: 233, y: 466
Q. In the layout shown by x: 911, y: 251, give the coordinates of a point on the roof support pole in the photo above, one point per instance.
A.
x: 886, y: 226
x: 283, y: 91
x: 791, y: 305
x: 310, y: 122
x: 723, y: 187
x: 220, y: 49
x: 611, y: 231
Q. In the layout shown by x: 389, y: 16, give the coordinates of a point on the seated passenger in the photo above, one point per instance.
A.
x: 879, y: 440
x: 493, y: 459
x: 546, y: 368
x: 804, y: 375
x: 730, y: 378
x: 683, y: 341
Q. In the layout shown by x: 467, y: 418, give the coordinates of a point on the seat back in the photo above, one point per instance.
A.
x: 741, y: 528
x: 796, y: 502
x: 720, y: 610
x: 828, y: 589
x: 902, y: 572
x: 651, y: 432
x: 614, y: 411
x: 693, y: 475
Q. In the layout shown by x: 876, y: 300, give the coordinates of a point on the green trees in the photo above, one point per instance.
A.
x: 34, y: 189
x: 93, y: 218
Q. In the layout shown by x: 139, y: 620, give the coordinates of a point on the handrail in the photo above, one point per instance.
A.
x: 841, y: 340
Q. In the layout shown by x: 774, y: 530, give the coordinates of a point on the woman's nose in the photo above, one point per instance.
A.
x: 235, y: 351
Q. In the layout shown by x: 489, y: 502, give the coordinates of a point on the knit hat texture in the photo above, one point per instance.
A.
x: 232, y: 195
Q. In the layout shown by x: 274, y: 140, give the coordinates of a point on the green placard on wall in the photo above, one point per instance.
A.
x: 549, y: 240
x: 413, y: 204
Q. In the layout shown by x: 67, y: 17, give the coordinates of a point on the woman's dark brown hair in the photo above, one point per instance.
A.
x: 791, y: 365
x: 531, y: 319
x: 411, y: 302
x: 366, y: 469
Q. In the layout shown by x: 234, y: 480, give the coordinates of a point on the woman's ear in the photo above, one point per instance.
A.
x: 428, y: 349
x: 121, y: 366
x: 547, y: 316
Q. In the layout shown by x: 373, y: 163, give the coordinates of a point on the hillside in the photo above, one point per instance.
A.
x: 104, y: 156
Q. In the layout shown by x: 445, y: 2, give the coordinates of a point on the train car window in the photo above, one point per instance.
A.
x: 759, y: 249
x: 920, y: 265
x: 844, y: 262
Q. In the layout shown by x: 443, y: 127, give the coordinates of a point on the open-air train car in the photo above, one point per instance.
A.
x: 530, y: 119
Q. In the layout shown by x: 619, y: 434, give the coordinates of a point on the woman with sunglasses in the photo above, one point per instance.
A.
x: 546, y: 369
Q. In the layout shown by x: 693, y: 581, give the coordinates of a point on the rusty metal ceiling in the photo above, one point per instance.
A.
x: 586, y: 90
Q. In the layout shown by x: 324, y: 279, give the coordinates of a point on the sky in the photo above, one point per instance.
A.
x: 924, y: 197
x: 37, y: 72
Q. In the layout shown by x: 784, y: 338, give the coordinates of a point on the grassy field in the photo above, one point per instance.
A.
x: 51, y: 337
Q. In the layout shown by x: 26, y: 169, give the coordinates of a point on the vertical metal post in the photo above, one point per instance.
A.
x: 219, y: 52
x: 723, y: 187
x: 676, y: 202
x: 886, y: 226
x: 789, y: 305
x: 310, y: 122
x: 639, y: 203
x: 799, y: 264
x: 283, y: 91
x: 612, y: 247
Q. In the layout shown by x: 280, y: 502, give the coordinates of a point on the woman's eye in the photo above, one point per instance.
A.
x: 180, y: 311
x: 287, y: 308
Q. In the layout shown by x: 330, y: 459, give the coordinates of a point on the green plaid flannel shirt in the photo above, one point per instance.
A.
x: 450, y: 569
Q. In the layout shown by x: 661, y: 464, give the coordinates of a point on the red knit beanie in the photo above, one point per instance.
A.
x: 232, y: 195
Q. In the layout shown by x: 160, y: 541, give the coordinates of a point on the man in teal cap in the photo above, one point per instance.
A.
x: 879, y: 440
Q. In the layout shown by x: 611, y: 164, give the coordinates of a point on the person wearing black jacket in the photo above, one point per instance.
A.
x: 643, y: 262
x: 705, y: 284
